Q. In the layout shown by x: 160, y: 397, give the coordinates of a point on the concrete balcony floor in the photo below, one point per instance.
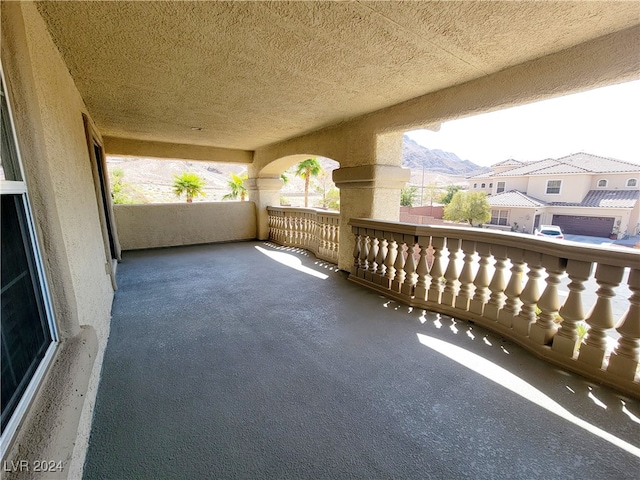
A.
x: 250, y: 360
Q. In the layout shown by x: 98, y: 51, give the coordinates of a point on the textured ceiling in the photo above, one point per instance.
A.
x: 254, y: 73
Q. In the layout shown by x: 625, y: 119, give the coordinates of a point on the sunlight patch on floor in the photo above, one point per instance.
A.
x: 595, y: 400
x: 626, y: 411
x: 514, y: 383
x: 291, y: 261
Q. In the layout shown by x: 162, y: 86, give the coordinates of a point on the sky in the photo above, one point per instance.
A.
x: 604, y: 122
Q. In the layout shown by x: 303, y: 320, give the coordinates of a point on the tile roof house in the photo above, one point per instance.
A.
x: 582, y: 193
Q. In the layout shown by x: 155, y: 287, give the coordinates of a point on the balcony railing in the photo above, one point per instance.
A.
x: 508, y: 283
x: 313, y: 229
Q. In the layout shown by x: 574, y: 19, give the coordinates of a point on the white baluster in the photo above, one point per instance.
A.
x: 435, y: 289
x: 422, y: 284
x: 364, y: 254
x: 295, y: 224
x: 410, y: 270
x: 466, y: 276
x: 530, y: 295
x: 281, y: 228
x: 275, y: 226
x: 514, y: 288
x: 545, y: 327
x: 355, y: 268
x: 451, y: 274
x: 371, y: 258
x: 380, y: 257
x: 566, y: 339
x: 322, y: 242
x: 600, y: 318
x: 481, y: 282
x: 389, y: 262
x: 398, y: 280
x: 498, y: 283
x: 306, y: 229
x: 626, y: 355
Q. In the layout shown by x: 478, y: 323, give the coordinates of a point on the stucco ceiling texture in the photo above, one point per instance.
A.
x: 254, y: 73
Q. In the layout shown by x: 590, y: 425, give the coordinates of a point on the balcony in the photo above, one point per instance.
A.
x: 259, y: 360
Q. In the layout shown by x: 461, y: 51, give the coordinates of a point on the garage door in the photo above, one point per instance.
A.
x: 593, y: 226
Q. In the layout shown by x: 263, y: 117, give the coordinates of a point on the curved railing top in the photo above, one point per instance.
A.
x: 321, y: 211
x: 617, y: 256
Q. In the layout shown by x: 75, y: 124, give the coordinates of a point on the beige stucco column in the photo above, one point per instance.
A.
x: 264, y: 192
x: 369, y: 191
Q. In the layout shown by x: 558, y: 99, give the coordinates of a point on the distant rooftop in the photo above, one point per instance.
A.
x: 593, y: 199
x: 605, y: 198
x: 514, y: 198
x: 570, y: 164
x: 508, y: 162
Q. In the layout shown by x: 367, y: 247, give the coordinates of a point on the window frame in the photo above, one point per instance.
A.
x: 498, y: 187
x: 606, y: 183
x: 19, y: 188
x: 629, y: 180
x: 547, y: 192
x: 499, y: 217
x: 483, y: 185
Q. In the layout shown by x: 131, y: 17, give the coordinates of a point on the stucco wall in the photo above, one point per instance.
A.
x: 524, y: 217
x: 573, y: 188
x: 48, y: 113
x: 70, y: 169
x: 174, y: 224
x: 520, y: 184
x: 614, y: 181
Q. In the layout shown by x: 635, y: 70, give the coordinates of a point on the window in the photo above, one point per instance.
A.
x: 483, y: 185
x: 553, y: 187
x: 491, y: 185
x: 28, y: 332
x: 501, y: 187
x: 475, y: 185
x: 499, y: 217
x: 602, y: 183
x: 632, y: 182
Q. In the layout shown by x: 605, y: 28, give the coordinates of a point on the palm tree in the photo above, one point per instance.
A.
x: 306, y: 169
x: 188, y: 183
x: 236, y: 184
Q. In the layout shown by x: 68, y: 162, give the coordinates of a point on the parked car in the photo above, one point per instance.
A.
x: 549, y: 231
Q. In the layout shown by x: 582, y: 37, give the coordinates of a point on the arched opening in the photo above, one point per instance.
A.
x: 322, y: 192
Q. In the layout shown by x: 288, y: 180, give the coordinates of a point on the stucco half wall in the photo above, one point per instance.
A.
x: 175, y: 224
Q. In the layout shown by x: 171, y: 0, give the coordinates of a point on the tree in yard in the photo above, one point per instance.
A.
x: 236, y: 184
x: 432, y: 192
x: 189, y: 184
x: 326, y: 188
x: 451, y: 190
x: 307, y: 169
x: 408, y: 196
x: 470, y: 207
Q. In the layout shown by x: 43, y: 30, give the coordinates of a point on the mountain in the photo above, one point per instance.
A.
x: 415, y: 156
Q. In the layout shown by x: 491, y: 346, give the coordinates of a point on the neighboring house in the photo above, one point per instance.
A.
x: 583, y: 194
